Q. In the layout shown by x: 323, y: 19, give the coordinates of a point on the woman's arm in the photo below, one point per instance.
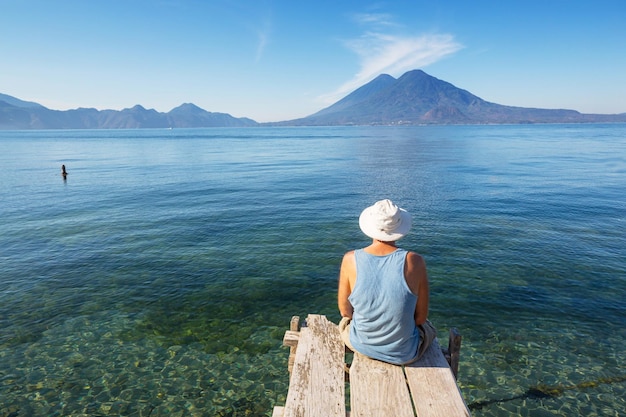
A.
x: 347, y: 274
x: 417, y: 279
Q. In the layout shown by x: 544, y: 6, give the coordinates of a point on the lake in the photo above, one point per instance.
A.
x: 159, y: 277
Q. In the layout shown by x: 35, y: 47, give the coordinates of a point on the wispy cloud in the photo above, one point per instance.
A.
x: 374, y: 19
x: 263, y: 37
x: 381, y: 50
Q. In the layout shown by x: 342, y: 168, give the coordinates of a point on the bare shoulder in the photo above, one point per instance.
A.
x: 348, y: 259
x: 415, y: 260
x: 415, y: 271
x: 347, y: 273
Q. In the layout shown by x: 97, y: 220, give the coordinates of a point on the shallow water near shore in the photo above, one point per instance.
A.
x: 159, y: 277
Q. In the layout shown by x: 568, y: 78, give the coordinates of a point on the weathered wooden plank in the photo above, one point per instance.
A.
x: 316, y: 387
x: 433, y: 386
x: 378, y: 389
x: 278, y: 411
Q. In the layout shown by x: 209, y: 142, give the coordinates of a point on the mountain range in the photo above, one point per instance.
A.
x: 18, y: 114
x: 414, y: 98
x: 419, y: 98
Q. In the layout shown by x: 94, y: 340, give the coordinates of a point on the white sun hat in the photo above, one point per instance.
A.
x: 385, y: 221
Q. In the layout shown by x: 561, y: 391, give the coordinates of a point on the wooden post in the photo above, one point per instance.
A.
x: 454, y: 350
x: 291, y: 339
x: 294, y: 324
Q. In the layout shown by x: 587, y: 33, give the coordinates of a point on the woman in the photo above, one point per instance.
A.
x: 383, y: 291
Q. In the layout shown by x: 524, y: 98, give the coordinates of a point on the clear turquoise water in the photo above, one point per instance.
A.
x: 159, y: 277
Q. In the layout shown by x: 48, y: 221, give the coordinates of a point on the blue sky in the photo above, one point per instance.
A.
x: 284, y: 59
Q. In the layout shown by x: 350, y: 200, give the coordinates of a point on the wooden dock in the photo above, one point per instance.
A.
x: 321, y: 381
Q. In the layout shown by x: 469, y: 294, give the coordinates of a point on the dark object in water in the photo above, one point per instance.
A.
x: 63, y: 172
x: 546, y: 391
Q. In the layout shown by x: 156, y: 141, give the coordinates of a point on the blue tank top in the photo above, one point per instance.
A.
x: 383, y: 324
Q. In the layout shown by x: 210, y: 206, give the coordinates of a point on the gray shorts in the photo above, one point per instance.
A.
x: 427, y: 335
